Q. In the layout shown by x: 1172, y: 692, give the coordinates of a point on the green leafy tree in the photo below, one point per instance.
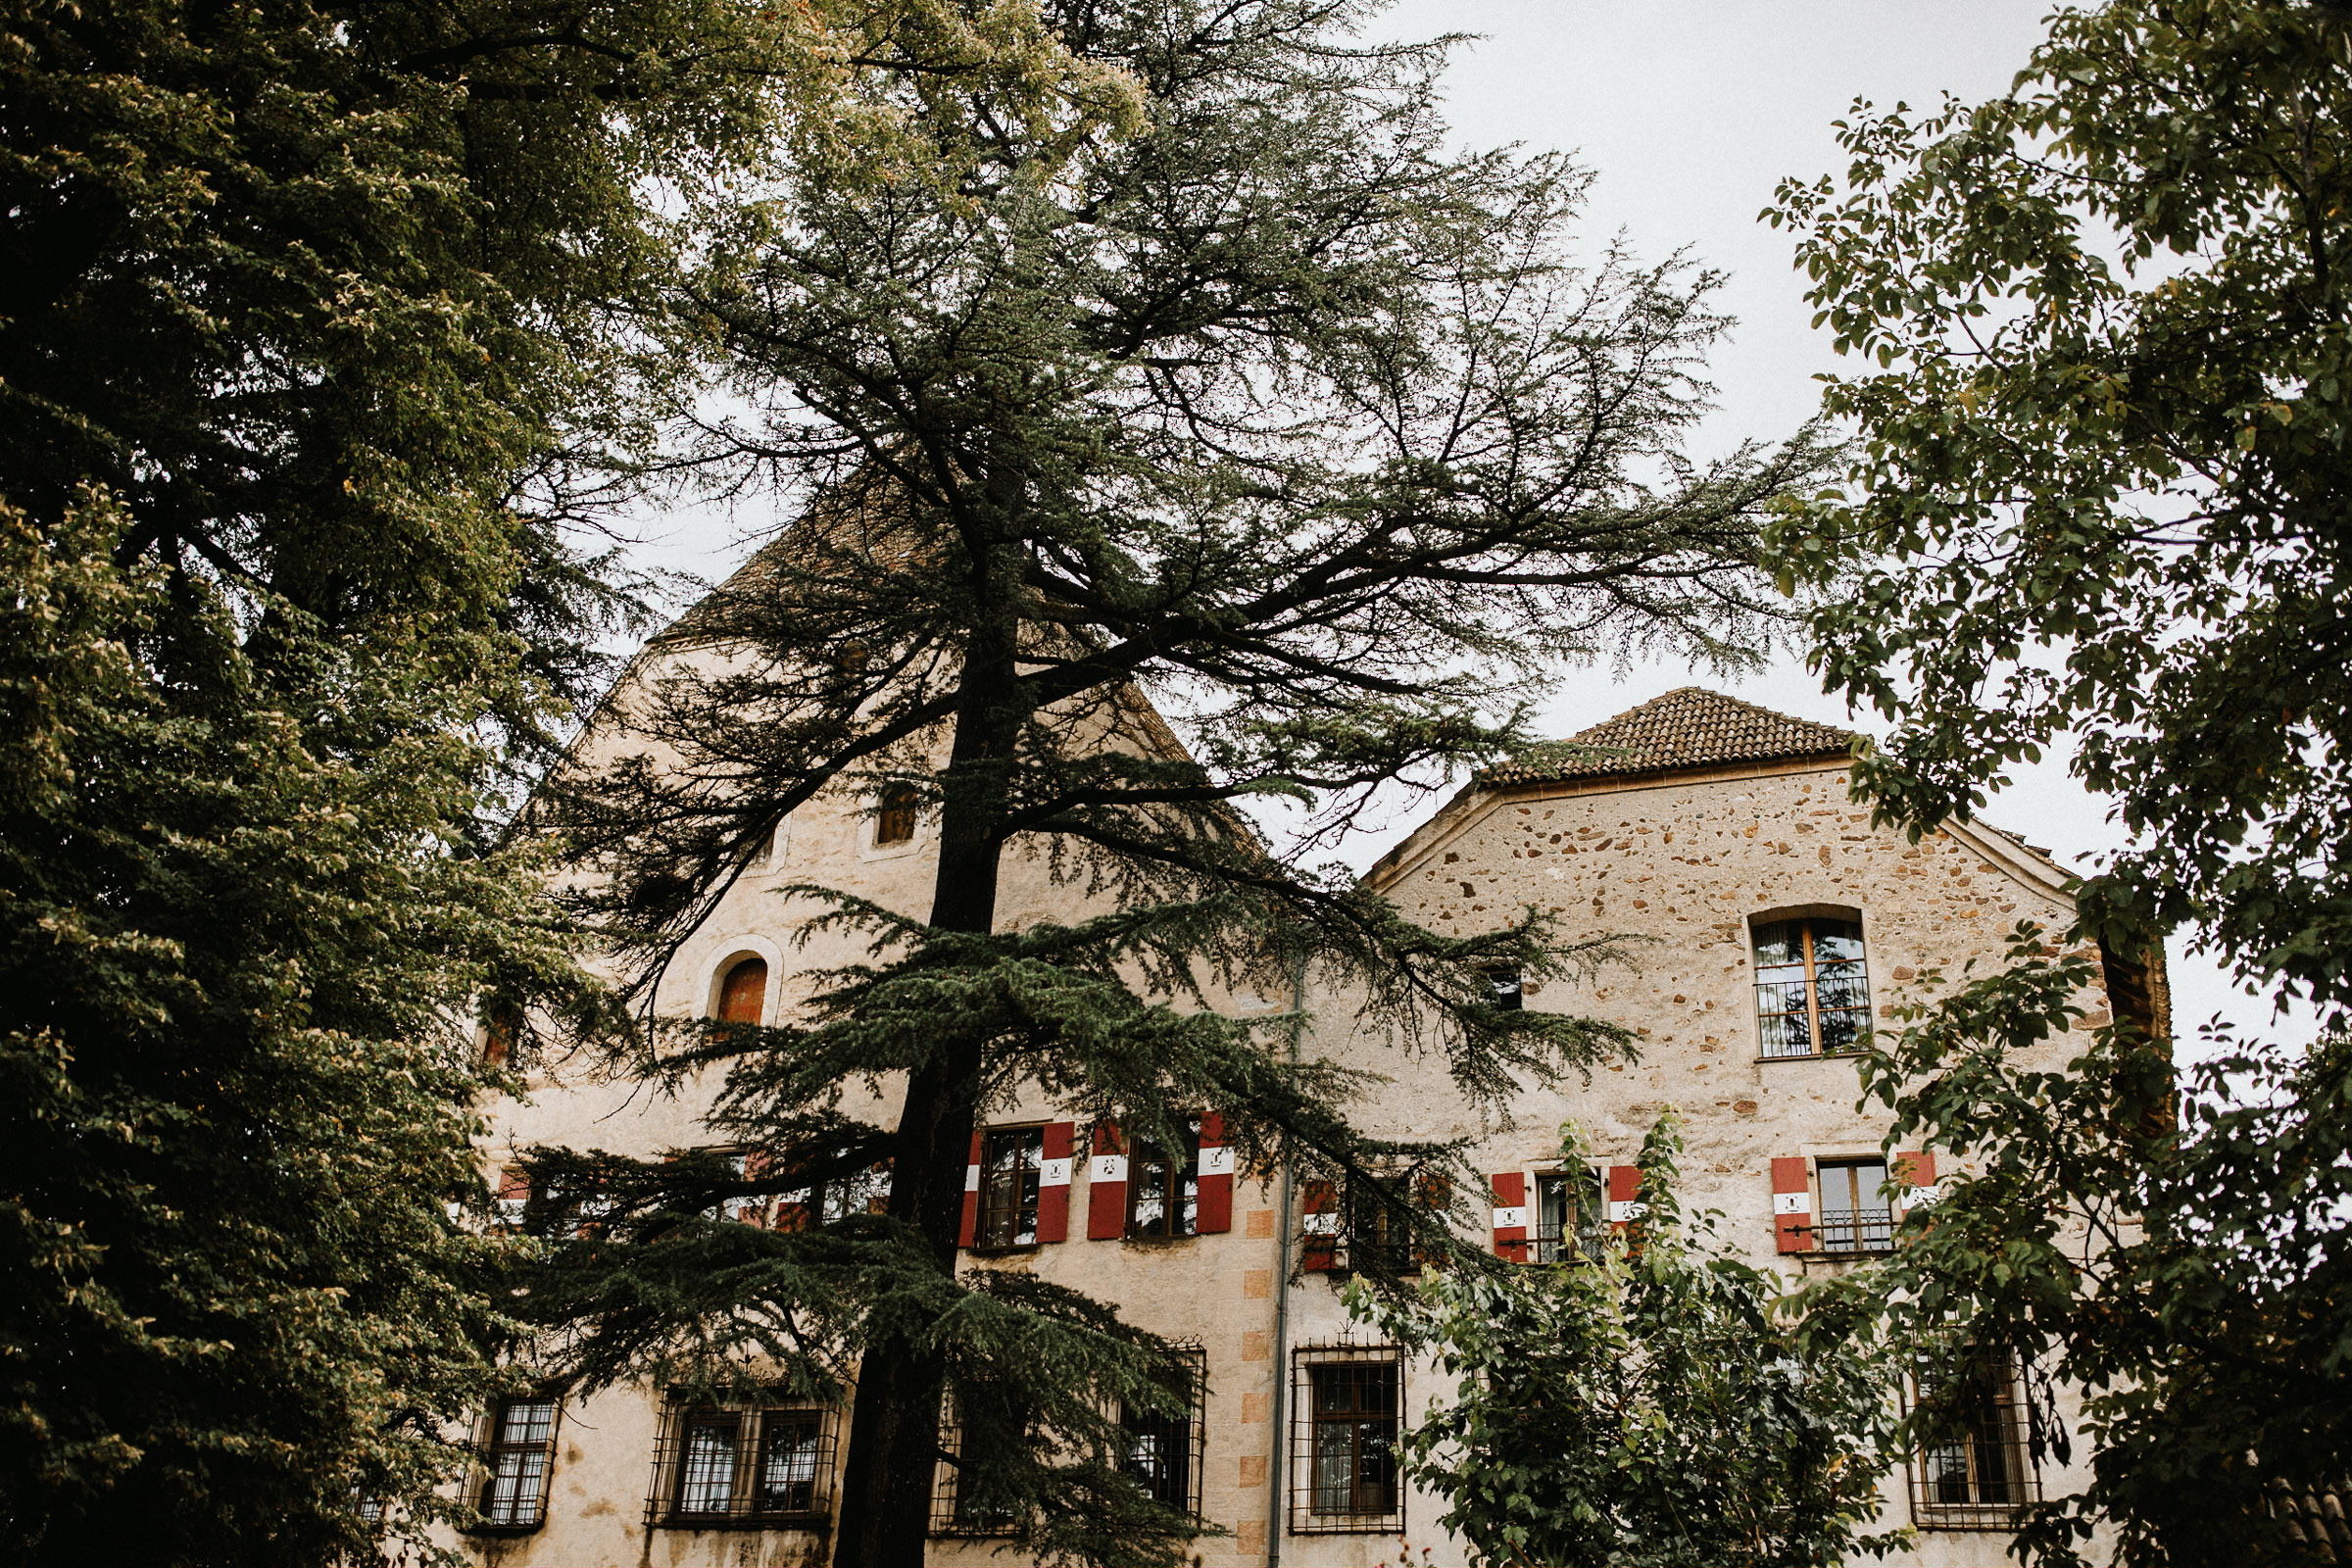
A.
x: 1279, y: 415
x: 2098, y: 492
x: 317, y: 344
x: 1647, y: 1405
x: 2173, y: 1245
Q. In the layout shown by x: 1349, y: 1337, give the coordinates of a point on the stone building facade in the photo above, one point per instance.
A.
x: 1774, y: 924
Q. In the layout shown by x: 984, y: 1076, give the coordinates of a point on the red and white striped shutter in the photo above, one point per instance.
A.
x: 1321, y: 1227
x: 1215, y: 1209
x: 513, y: 1193
x: 1914, y: 1169
x: 1792, y: 1205
x: 1054, y: 1181
x: 1625, y: 1197
x: 1510, y: 1214
x: 1106, y: 1186
x: 971, y: 1192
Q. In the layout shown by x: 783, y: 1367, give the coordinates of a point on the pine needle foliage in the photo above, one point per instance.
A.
x: 1278, y: 422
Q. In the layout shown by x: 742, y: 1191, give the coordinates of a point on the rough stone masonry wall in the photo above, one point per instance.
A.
x: 1684, y: 863
x: 1683, y: 866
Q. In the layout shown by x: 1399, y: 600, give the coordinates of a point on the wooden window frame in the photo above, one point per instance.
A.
x: 1812, y: 985
x: 1025, y: 1204
x: 1307, y: 1517
x: 1180, y: 1210
x: 494, y: 1444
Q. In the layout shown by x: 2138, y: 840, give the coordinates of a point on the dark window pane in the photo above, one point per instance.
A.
x: 788, y: 1464
x: 1012, y: 1165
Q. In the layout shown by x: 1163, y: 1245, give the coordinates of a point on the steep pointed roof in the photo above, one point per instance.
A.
x: 1687, y: 727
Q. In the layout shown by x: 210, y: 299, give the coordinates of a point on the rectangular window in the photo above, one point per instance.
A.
x: 518, y: 1459
x: 1812, y: 997
x: 1011, y: 1162
x: 866, y: 1192
x: 1854, y: 1213
x: 1163, y: 1187
x: 1343, y: 1440
x: 1163, y: 1450
x: 741, y: 1468
x: 1566, y: 1229
x: 1972, y: 1472
x: 1510, y: 995
x: 956, y: 1508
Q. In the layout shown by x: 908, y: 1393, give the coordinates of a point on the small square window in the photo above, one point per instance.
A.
x: 893, y: 816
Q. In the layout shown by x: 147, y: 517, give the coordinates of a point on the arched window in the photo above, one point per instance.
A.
x: 743, y: 994
x: 1812, y: 999
x: 894, y: 822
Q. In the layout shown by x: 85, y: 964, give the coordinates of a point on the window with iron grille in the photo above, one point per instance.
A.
x: 955, y: 1511
x: 1163, y: 1450
x: 1565, y: 1227
x: 1510, y: 995
x: 1971, y: 1471
x: 1163, y: 1187
x: 517, y: 1458
x: 1011, y: 1163
x: 757, y: 1467
x: 1812, y: 997
x: 1345, y: 1404
x: 1854, y: 1213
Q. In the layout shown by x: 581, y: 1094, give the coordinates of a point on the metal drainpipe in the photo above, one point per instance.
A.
x: 1278, y: 1462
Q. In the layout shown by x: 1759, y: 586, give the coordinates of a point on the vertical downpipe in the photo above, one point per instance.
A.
x: 1278, y: 1462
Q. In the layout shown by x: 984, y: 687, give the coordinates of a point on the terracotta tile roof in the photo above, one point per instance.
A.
x: 1689, y: 727
x: 2315, y: 1529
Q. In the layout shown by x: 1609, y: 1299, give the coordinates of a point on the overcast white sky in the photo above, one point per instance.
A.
x: 1690, y: 112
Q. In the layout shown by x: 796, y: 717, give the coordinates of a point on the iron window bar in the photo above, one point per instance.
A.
x: 1976, y: 1472
x: 1855, y: 1213
x: 742, y: 1467
x: 1345, y: 1404
x: 1164, y: 1453
x: 951, y: 1513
